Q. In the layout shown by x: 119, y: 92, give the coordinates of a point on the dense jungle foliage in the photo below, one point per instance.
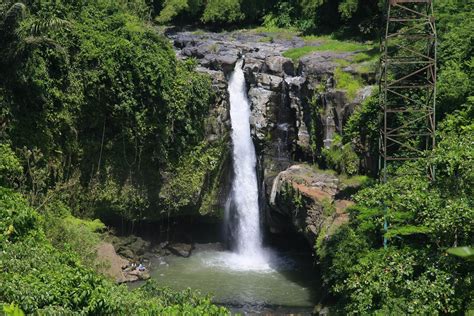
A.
x: 93, y: 107
x: 415, y: 275
x: 98, y: 118
x: 356, y: 16
x: 96, y: 104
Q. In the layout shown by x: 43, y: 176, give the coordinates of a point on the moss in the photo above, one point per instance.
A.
x: 210, y: 200
x: 348, y: 82
x: 342, y: 62
x: 266, y: 39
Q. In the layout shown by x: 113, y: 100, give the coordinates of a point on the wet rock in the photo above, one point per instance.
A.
x: 252, y: 67
x: 225, y: 63
x: 262, y: 119
x: 180, y: 249
x: 209, y: 247
x: 144, y: 275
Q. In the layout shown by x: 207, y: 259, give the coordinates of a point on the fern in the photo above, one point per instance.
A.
x: 41, y: 26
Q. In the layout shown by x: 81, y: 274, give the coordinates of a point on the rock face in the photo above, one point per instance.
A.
x: 305, y: 199
x: 295, y: 109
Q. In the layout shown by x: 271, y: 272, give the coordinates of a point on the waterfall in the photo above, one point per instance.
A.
x: 244, y: 186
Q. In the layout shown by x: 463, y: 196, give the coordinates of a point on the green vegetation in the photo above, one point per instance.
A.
x: 355, y: 181
x: 414, y: 274
x: 341, y: 157
x: 274, y: 32
x: 462, y: 252
x: 98, y: 119
x: 348, y: 82
x: 349, y: 16
x: 195, y: 180
x: 222, y: 11
x: 93, y: 107
x: 425, y: 219
x: 327, y: 44
x: 54, y: 278
x: 100, y: 102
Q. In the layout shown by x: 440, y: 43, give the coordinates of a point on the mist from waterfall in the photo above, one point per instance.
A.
x: 244, y: 193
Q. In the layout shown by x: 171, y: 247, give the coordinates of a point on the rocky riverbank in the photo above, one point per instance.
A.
x: 131, y: 258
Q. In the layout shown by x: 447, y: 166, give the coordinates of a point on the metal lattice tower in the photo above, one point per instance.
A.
x: 407, y: 82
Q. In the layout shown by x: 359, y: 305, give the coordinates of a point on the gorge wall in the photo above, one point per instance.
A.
x: 296, y: 109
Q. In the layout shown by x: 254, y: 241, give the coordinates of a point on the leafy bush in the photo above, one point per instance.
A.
x: 425, y: 218
x: 387, y: 282
x: 171, y: 9
x: 99, y: 97
x: 222, y: 11
x: 10, y: 167
x: 341, y: 157
x: 17, y: 218
x: 37, y: 277
x: 196, y: 176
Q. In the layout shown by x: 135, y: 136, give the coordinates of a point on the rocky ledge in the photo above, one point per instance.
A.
x: 307, y: 200
x: 296, y: 105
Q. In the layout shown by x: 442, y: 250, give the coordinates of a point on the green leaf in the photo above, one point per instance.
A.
x: 463, y: 252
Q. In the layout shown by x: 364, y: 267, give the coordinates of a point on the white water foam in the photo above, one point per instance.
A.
x: 269, y: 262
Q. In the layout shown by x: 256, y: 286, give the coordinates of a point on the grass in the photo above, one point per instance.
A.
x: 348, y: 82
x: 273, y: 32
x: 214, y: 48
x: 326, y: 44
x: 354, y: 181
x: 365, y: 68
x: 342, y: 62
x: 366, y: 61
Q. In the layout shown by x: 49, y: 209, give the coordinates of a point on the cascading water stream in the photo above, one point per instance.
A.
x: 244, y: 187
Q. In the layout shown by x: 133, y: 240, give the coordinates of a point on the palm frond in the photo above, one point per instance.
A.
x: 41, y: 26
